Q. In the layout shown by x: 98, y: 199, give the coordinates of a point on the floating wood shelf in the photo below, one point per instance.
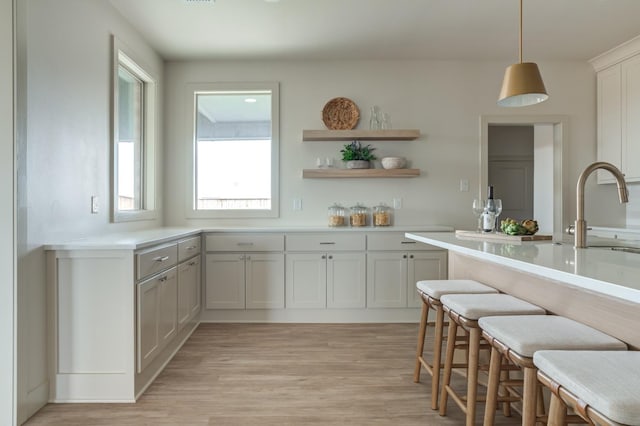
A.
x: 365, y: 135
x: 359, y: 173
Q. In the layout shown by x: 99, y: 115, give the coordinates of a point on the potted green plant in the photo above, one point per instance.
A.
x: 357, y: 156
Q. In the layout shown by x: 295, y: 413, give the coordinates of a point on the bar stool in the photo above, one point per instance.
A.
x: 465, y: 310
x: 430, y: 292
x: 517, y: 338
x: 601, y: 387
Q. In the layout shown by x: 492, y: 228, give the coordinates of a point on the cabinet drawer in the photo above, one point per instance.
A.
x: 245, y: 242
x: 188, y: 248
x: 395, y: 241
x: 326, y: 242
x: 156, y: 259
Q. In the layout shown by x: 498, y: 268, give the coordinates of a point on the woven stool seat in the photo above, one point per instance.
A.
x: 519, y: 337
x: 605, y: 381
x: 438, y: 288
x: 476, y: 306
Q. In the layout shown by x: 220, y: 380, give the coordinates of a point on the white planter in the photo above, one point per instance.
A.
x: 357, y: 164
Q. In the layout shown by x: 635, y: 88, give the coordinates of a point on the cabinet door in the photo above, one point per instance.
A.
x: 346, y: 280
x: 609, y: 120
x: 168, y: 315
x: 387, y: 279
x: 148, y: 332
x: 224, y: 281
x: 188, y: 290
x: 264, y: 280
x: 630, y: 121
x: 306, y: 280
x: 424, y: 266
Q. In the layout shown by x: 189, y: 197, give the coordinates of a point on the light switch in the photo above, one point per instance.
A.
x: 297, y: 204
x: 94, y: 204
x: 464, y: 185
x: 397, y: 203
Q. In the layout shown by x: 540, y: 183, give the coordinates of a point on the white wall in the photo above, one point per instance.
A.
x: 442, y: 99
x: 63, y: 152
x: 7, y: 218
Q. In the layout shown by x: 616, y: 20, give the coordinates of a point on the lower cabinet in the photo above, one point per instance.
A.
x: 188, y: 290
x: 395, y: 264
x: 244, y: 280
x: 157, y: 315
x: 319, y: 280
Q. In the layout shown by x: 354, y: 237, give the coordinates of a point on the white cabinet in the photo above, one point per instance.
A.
x: 618, y: 106
x: 188, y: 290
x: 244, y: 271
x: 319, y: 280
x: 324, y: 270
x: 394, y: 265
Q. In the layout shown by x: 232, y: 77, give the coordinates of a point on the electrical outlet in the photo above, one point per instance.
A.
x: 94, y: 204
x: 464, y: 185
x: 297, y: 204
x: 397, y: 203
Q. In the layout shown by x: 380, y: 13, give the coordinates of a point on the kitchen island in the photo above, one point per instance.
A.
x: 596, y: 286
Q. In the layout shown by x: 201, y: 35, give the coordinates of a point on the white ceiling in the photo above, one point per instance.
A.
x: 382, y: 29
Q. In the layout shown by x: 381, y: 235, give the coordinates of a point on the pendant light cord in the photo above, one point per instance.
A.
x: 520, y: 31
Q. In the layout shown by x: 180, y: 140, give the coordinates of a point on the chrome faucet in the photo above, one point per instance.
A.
x: 623, y: 193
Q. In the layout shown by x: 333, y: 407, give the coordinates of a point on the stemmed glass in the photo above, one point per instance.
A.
x: 478, y: 208
x: 498, y: 204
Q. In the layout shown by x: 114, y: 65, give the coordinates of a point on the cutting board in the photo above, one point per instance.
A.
x: 499, y: 236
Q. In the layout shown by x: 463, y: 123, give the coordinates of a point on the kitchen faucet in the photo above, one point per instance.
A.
x: 581, y: 224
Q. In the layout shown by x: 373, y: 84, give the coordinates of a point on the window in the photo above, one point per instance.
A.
x: 133, y: 139
x: 235, y: 150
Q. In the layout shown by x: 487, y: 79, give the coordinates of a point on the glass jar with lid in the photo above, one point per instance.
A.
x: 358, y: 215
x: 382, y: 215
x: 337, y: 215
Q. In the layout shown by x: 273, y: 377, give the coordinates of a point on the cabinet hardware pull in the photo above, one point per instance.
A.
x: 190, y: 247
x: 161, y: 259
x: 324, y: 257
x: 411, y: 257
x: 245, y: 244
x: 407, y: 242
x: 248, y: 258
x: 330, y: 257
x: 192, y: 263
x: 326, y: 242
x: 404, y: 256
x: 163, y: 278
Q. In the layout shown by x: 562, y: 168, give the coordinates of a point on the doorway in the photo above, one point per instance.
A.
x: 549, y: 142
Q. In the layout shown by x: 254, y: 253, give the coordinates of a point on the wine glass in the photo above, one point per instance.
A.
x: 478, y: 209
x: 498, y: 203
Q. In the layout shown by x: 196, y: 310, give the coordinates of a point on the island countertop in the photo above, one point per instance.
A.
x: 608, y: 272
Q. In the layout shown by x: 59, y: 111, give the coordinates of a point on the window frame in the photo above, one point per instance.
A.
x: 123, y: 56
x: 192, y: 89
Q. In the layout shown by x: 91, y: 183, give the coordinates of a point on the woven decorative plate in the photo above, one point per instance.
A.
x: 340, y: 114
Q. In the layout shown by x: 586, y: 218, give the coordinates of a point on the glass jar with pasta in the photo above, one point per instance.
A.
x: 358, y: 215
x: 382, y: 215
x: 337, y: 215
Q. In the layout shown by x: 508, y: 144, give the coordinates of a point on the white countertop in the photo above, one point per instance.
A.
x: 609, y: 272
x: 139, y: 239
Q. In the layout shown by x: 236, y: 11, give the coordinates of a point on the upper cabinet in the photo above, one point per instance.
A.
x: 618, y: 106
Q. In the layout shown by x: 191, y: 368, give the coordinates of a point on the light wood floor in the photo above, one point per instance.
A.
x: 280, y: 374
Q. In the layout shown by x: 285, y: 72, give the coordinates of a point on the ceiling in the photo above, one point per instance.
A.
x: 381, y: 29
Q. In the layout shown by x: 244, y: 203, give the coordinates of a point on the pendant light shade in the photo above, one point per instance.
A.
x: 522, y: 84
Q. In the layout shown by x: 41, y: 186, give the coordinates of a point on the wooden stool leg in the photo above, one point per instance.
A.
x: 557, y: 412
x: 529, y: 397
x: 540, y: 408
x: 472, y: 374
x: 448, y: 365
x: 492, y: 387
x: 421, y: 336
x: 505, y: 376
x: 437, y: 355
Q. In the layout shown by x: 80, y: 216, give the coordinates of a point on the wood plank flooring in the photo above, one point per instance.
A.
x: 281, y: 374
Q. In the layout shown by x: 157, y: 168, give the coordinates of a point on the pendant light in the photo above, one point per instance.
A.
x: 522, y: 85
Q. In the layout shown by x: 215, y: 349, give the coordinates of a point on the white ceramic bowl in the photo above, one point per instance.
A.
x: 393, y: 162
